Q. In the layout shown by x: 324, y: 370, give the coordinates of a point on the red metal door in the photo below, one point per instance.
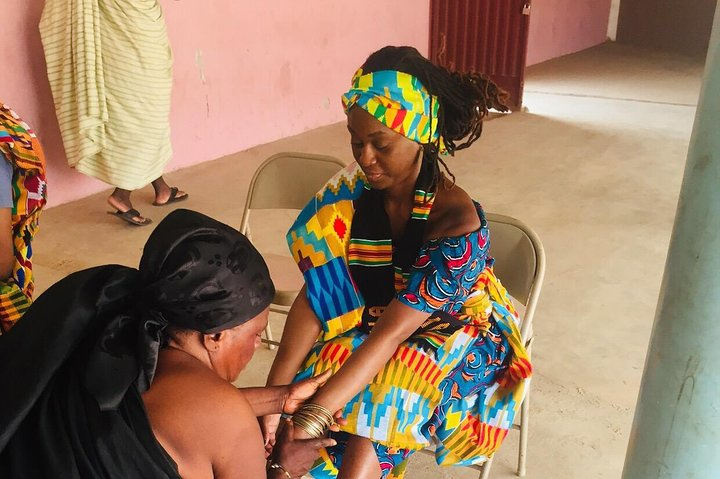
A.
x: 483, y: 36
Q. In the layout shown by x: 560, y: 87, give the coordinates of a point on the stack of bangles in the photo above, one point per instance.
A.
x: 314, y: 419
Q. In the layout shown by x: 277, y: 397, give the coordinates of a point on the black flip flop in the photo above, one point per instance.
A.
x: 130, y: 216
x: 174, y: 198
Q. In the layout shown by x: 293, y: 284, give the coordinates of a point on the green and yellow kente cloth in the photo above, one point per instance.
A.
x: 399, y: 101
x: 21, y: 148
x: 428, y: 388
x: 459, y: 380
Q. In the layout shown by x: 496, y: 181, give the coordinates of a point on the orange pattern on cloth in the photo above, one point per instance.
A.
x: 21, y: 148
x: 438, y: 383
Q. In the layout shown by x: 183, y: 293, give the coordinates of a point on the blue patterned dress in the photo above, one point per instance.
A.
x: 459, y: 378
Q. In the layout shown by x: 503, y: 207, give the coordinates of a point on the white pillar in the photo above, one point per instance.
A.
x: 676, y: 431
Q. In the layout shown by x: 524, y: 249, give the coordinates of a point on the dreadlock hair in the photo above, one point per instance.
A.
x: 464, y: 99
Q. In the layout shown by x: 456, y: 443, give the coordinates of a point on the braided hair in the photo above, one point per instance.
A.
x: 465, y: 99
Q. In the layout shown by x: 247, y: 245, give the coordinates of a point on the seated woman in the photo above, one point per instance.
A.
x: 119, y: 372
x: 23, y: 193
x: 400, y: 300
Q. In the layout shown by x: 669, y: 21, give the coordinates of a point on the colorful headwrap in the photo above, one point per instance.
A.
x: 399, y: 101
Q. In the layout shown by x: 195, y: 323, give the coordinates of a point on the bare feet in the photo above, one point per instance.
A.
x: 120, y: 201
x: 164, y: 194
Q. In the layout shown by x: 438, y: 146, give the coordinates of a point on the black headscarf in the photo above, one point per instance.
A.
x: 195, y: 273
x: 203, y: 275
x: 95, y: 336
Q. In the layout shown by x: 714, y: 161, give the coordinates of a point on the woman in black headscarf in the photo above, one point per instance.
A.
x: 129, y: 370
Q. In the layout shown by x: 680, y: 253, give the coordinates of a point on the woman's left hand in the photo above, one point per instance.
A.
x: 301, y: 391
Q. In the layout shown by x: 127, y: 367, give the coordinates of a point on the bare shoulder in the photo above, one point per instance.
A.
x: 203, y: 422
x: 453, y: 214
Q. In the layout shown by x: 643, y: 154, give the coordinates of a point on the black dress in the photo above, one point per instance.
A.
x: 51, y: 421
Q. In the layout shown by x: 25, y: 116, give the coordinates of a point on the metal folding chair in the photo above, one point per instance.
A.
x: 285, y: 181
x: 520, y: 266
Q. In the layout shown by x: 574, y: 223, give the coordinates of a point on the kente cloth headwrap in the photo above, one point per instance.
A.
x: 399, y: 101
x: 21, y: 148
x: 196, y: 273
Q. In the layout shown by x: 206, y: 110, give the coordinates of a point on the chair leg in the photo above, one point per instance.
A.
x: 485, y: 473
x: 524, y: 426
x: 269, y: 337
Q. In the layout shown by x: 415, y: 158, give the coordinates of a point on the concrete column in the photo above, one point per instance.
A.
x: 676, y: 431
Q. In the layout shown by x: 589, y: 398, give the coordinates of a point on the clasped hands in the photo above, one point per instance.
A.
x: 295, y: 450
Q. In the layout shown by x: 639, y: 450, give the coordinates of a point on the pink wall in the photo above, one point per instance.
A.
x: 246, y: 73
x: 559, y: 27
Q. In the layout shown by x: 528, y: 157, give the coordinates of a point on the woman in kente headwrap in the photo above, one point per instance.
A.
x: 23, y: 194
x: 400, y: 300
x: 119, y: 372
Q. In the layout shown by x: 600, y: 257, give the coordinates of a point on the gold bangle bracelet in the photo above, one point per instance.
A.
x: 275, y: 465
x: 313, y: 428
x: 320, y: 410
x: 315, y: 418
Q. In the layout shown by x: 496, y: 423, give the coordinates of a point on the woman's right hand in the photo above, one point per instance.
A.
x: 268, y: 426
x: 298, y: 455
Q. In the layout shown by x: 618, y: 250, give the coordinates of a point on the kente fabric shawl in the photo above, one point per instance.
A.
x: 20, y: 146
x: 110, y: 69
x: 71, y: 402
x: 474, y: 426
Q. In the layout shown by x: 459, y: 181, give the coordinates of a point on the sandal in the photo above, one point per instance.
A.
x: 174, y: 198
x: 130, y: 216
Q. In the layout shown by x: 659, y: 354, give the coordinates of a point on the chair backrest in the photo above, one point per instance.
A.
x: 519, y: 262
x: 288, y: 181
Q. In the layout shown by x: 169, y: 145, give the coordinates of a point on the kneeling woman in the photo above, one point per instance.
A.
x: 124, y: 372
x: 400, y: 299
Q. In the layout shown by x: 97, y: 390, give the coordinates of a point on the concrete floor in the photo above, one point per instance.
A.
x: 594, y: 166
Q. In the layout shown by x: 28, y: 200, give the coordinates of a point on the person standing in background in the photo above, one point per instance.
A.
x: 23, y: 194
x: 109, y: 64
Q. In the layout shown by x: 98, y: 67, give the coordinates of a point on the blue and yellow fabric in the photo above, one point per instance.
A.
x: 462, y: 385
x: 399, y: 101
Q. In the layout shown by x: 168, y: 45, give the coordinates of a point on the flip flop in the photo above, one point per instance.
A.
x: 130, y: 216
x: 174, y: 198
